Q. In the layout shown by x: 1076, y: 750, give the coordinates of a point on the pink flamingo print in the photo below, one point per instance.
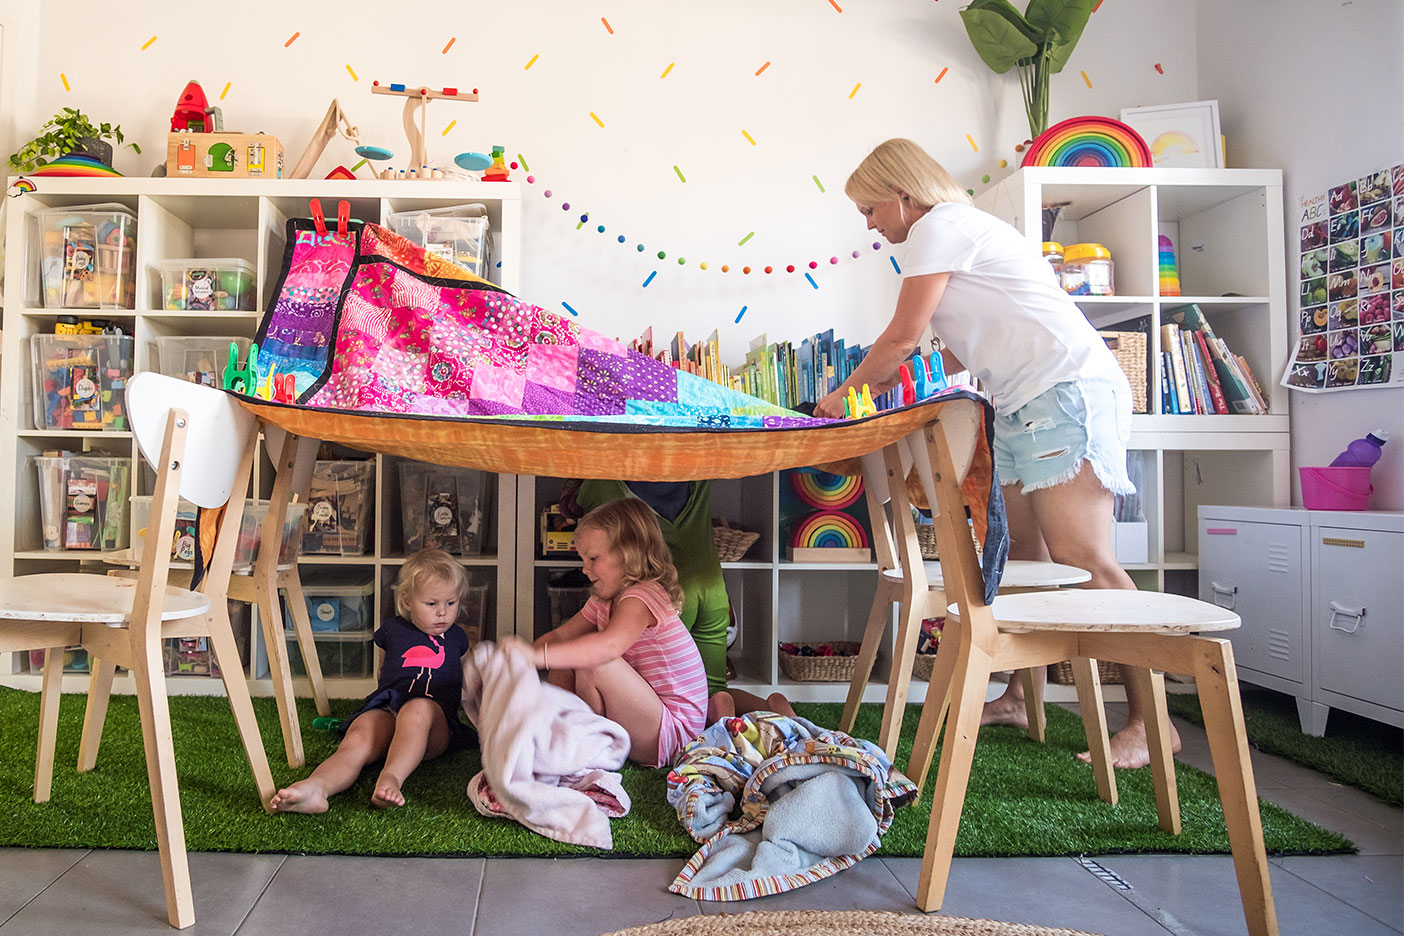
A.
x: 426, y: 661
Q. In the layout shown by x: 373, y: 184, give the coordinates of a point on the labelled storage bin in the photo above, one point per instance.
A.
x: 442, y: 508
x: 88, y: 257
x: 75, y: 660
x: 342, y: 654
x: 83, y: 501
x: 193, y: 656
x: 224, y: 285
x: 250, y: 530
x: 458, y: 234
x: 79, y: 380
x: 338, y: 600
x: 199, y: 360
x: 339, y: 508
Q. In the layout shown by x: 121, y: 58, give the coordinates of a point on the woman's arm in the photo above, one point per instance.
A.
x: 586, y: 651
x: 915, y: 305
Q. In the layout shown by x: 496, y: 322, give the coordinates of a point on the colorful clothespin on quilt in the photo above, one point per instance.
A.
x: 908, y: 385
x: 284, y: 389
x: 857, y: 407
x: 319, y: 218
x: 938, y: 374
x: 921, y: 378
x: 241, y: 379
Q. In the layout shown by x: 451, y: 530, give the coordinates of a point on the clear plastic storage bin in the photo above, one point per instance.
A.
x: 79, y: 380
x: 339, y: 508
x: 342, y: 654
x: 338, y: 601
x: 199, y: 360
x: 442, y: 508
x: 223, y: 285
x: 88, y: 257
x: 250, y: 530
x: 458, y: 234
x: 83, y: 501
x: 193, y: 656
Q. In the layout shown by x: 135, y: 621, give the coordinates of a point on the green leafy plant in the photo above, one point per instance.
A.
x: 1038, y: 42
x: 61, y: 135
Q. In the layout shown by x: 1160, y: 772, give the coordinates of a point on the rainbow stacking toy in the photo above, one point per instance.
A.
x: 1169, y: 273
x: 1089, y: 141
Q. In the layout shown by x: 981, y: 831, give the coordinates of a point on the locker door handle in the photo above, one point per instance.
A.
x: 1224, y: 595
x: 1357, y: 613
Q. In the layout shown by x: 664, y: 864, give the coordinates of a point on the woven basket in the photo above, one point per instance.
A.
x: 835, y: 668
x: 926, y: 540
x: 921, y: 666
x: 1108, y: 674
x: 732, y: 542
x: 1129, y: 349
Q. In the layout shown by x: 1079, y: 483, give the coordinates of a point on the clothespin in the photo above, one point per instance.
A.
x: 866, y: 406
x: 850, y: 404
x: 938, y: 373
x: 319, y: 220
x: 284, y: 389
x: 266, y: 391
x: 343, y: 217
x: 231, y: 369
x: 920, y: 378
x: 908, y: 386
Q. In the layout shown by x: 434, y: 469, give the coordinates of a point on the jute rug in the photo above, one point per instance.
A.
x: 838, y: 923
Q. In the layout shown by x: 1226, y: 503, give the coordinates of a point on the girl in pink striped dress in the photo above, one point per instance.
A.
x: 627, y: 652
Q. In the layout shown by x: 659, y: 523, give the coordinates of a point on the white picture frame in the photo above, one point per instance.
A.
x: 1180, y: 136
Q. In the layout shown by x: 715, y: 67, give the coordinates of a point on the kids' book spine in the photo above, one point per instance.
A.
x: 1170, y: 338
x: 1215, y: 389
x: 1196, y: 374
x: 1167, y: 388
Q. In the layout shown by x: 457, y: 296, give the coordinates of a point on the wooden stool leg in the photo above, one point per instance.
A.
x: 899, y: 683
x: 51, y: 691
x: 150, y: 676
x: 867, y: 654
x: 291, y: 583
x: 1228, y: 744
x: 1162, y: 761
x: 1094, y: 724
x: 266, y: 600
x: 1033, y: 703
x: 236, y: 687
x: 100, y: 674
x: 933, y: 711
x: 972, y: 674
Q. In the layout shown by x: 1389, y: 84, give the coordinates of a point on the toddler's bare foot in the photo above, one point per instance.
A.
x: 387, y: 792
x: 1006, y: 710
x: 1129, y: 748
x: 304, y: 796
x: 780, y: 705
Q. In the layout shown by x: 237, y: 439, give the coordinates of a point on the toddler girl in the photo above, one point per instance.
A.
x: 627, y: 653
x: 413, y: 713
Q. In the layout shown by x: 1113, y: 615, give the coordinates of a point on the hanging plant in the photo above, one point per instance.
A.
x: 1038, y: 42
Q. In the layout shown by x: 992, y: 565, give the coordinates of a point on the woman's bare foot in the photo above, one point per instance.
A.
x: 304, y: 796
x: 1006, y: 710
x: 387, y: 792
x: 1129, y: 748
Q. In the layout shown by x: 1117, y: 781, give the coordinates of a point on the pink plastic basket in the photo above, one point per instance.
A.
x: 1336, y: 488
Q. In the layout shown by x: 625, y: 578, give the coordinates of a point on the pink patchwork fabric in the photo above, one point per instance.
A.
x: 552, y: 365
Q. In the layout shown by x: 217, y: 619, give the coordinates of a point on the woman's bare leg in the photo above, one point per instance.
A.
x: 1025, y: 542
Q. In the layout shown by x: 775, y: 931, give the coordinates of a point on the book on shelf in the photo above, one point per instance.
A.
x: 1168, y: 404
x: 1237, y: 386
x: 1170, y: 339
x: 1216, y: 391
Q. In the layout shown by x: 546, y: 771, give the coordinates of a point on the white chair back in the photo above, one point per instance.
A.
x: 220, y: 431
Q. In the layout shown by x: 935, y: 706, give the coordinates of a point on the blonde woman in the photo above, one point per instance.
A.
x: 1062, y: 404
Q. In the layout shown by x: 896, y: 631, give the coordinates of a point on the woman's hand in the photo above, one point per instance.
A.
x: 831, y: 407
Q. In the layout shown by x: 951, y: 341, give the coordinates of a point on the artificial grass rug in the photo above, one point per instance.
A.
x: 1024, y: 799
x: 1355, y: 750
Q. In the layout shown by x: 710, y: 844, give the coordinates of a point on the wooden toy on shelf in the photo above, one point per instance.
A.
x: 223, y: 155
x: 419, y: 97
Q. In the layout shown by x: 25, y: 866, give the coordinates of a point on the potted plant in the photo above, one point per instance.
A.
x: 68, y: 131
x: 1038, y: 42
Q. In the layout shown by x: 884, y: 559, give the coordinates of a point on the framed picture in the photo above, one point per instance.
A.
x: 1184, y: 136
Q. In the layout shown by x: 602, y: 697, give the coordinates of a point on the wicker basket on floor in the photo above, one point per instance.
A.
x: 837, y: 668
x: 1109, y: 674
x: 732, y: 542
x: 926, y: 540
x: 921, y: 666
x: 1129, y: 349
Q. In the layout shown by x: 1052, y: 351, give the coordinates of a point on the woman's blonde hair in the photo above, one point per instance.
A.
x: 424, y: 568
x: 900, y: 167
x: 633, y: 532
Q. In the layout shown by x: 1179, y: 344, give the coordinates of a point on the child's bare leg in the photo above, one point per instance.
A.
x: 746, y: 702
x: 366, y: 741
x: 563, y: 678
x: 616, y: 691
x: 420, y: 733
x: 719, y: 706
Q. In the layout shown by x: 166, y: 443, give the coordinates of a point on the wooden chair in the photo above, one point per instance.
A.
x: 1151, y: 631
x: 904, y: 577
x: 202, y: 445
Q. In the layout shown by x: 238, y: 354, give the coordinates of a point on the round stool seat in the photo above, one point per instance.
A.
x: 77, y: 598
x: 1018, y: 573
x: 1106, y: 610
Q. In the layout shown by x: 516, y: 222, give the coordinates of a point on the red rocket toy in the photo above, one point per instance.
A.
x: 193, y: 113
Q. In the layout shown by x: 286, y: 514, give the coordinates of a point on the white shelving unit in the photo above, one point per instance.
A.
x: 185, y: 218
x: 1227, y: 227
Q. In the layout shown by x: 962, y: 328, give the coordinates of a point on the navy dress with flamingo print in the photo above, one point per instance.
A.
x: 418, y: 666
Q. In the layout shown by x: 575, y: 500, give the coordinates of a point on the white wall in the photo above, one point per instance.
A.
x: 798, y: 111
x: 1317, y: 89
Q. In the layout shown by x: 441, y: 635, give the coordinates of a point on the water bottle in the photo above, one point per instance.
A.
x: 1363, y: 453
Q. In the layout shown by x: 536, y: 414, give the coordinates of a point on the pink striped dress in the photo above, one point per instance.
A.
x: 666, y: 656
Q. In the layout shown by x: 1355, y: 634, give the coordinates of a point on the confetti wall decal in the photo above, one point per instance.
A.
x: 452, y: 40
x: 835, y: 6
x: 748, y: 138
x: 64, y: 79
x: 148, y: 43
x: 650, y: 279
x: 666, y: 70
x: 762, y: 68
x: 741, y: 313
x: 566, y: 305
x: 596, y: 119
x: 607, y: 26
x: 352, y: 72
x: 227, y: 85
x: 817, y: 182
x: 942, y: 75
x: 532, y: 62
x: 679, y: 172
x: 811, y: 281
x: 743, y: 240
x: 894, y: 264
x: 1085, y: 78
x: 855, y: 89
x: 451, y: 125
x: 1158, y: 69
x: 291, y: 39
x: 971, y: 140
x: 522, y: 159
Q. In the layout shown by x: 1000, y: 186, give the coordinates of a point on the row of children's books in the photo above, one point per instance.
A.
x: 1199, y: 374
x: 778, y: 372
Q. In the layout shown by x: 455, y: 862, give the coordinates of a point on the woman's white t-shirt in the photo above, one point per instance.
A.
x: 1003, y: 313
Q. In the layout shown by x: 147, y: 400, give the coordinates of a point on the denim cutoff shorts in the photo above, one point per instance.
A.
x: 1045, y: 441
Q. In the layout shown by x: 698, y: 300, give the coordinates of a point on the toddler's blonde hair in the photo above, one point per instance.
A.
x: 633, y: 532
x: 899, y: 165
x: 426, y: 567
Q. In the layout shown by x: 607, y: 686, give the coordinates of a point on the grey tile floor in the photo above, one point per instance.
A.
x: 116, y: 892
